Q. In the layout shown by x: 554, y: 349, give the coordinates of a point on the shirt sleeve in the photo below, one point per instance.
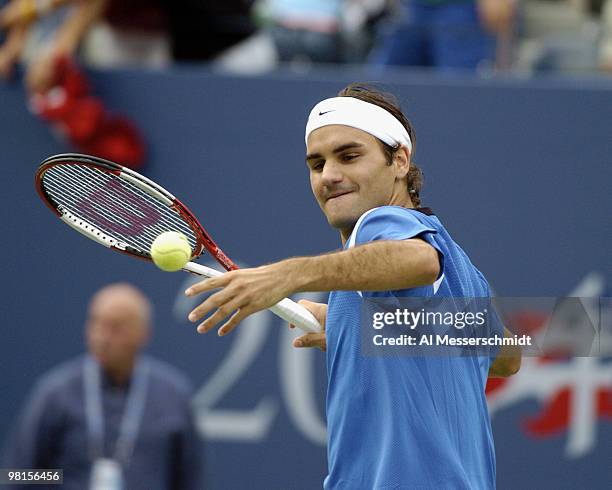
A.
x: 395, y: 223
x: 390, y: 223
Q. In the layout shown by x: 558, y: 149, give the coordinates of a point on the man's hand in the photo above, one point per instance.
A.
x: 41, y: 73
x: 319, y: 310
x: 17, y: 13
x: 11, y: 50
x: 508, y: 360
x: 242, y: 293
x: 497, y: 16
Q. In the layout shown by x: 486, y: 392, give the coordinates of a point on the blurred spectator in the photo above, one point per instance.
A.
x: 359, y: 21
x: 221, y: 32
x: 203, y: 29
x: 129, y: 33
x: 445, y: 34
x: 563, y: 36
x: 117, y: 33
x: 305, y: 30
x: 59, y: 91
x: 113, y: 419
x: 320, y: 31
x: 605, y: 52
x: 81, y: 118
x: 138, y: 32
x: 106, y: 32
x: 19, y: 16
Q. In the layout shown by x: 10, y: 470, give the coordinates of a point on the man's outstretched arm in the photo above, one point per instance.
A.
x: 375, y: 266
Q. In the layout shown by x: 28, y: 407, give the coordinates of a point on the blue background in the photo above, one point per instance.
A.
x: 519, y: 171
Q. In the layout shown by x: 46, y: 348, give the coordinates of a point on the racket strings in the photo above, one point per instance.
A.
x: 117, y: 207
x: 122, y: 216
x: 94, y: 210
x: 95, y: 191
x: 57, y: 187
x: 111, y: 196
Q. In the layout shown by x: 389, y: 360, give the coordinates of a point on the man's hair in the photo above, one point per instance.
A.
x: 388, y: 102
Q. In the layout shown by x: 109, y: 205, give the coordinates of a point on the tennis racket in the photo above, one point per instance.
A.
x: 124, y: 211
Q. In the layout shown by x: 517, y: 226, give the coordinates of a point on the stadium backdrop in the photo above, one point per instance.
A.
x: 520, y: 172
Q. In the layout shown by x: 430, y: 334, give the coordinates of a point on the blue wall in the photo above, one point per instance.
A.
x: 520, y: 172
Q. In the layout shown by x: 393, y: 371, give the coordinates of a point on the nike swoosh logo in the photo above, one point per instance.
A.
x: 321, y: 113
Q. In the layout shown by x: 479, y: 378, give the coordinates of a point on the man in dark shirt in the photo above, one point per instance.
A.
x: 445, y: 34
x: 112, y: 419
x: 201, y: 30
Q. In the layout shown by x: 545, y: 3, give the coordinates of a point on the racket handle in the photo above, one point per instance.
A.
x: 296, y: 314
x: 201, y: 270
x: 287, y: 309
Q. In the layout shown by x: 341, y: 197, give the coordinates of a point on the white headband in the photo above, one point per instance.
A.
x: 356, y: 113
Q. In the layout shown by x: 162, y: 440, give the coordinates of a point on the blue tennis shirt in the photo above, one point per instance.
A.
x: 406, y: 422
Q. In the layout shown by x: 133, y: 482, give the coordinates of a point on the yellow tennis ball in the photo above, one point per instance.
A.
x: 170, y: 251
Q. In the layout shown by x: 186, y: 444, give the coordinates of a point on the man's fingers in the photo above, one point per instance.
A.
x: 233, y: 322
x: 214, y: 319
x: 222, y: 312
x: 309, y: 305
x: 318, y: 310
x: 217, y: 300
x: 310, y: 340
x: 207, y: 285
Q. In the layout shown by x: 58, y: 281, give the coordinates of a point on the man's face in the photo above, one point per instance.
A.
x: 116, y: 328
x: 349, y: 174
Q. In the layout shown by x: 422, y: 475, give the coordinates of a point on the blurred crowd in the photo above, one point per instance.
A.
x: 52, y: 39
x: 251, y: 36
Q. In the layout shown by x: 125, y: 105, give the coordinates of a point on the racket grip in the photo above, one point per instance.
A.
x: 291, y: 312
x: 288, y: 310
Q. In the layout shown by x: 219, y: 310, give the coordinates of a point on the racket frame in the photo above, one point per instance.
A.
x: 204, y: 240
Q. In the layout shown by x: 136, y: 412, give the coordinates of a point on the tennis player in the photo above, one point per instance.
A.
x: 393, y: 421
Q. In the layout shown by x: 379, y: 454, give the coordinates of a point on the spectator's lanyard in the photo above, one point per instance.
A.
x: 132, y: 413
